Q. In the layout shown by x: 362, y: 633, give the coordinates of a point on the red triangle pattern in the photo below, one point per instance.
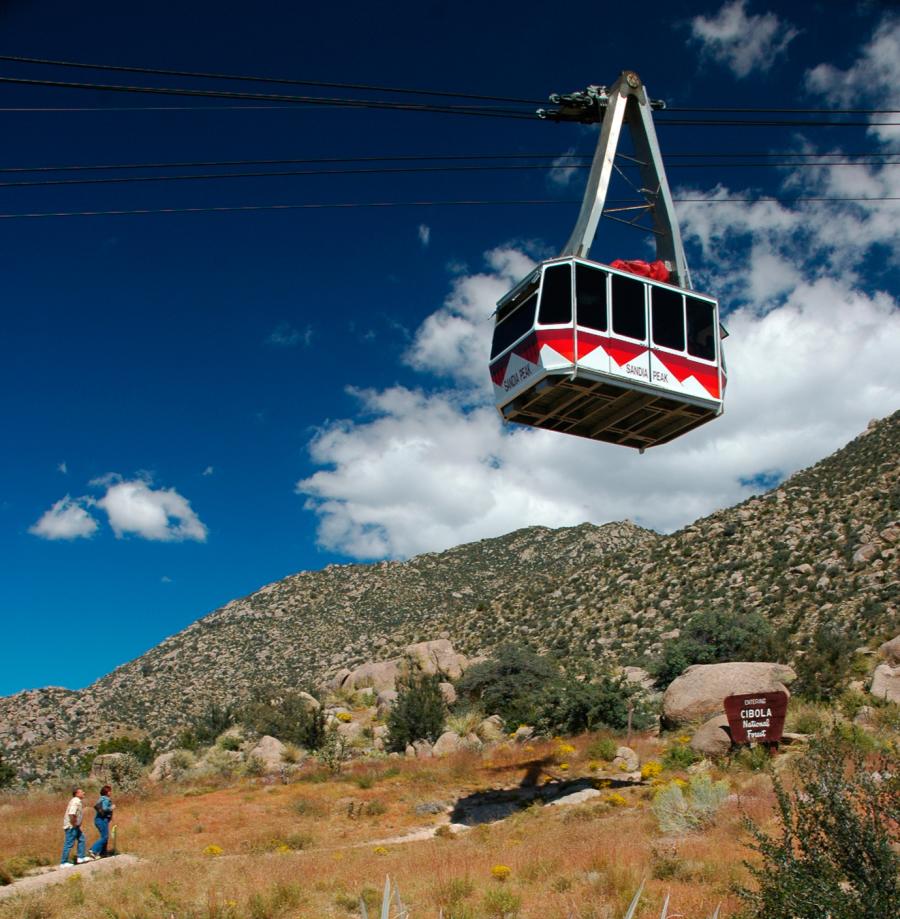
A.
x: 682, y: 368
x: 587, y: 343
x: 498, y: 369
x: 562, y: 341
x: 622, y: 352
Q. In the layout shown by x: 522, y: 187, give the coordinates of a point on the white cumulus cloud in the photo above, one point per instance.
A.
x: 162, y: 514
x: 67, y: 519
x: 424, y: 232
x: 741, y: 41
x: 873, y: 78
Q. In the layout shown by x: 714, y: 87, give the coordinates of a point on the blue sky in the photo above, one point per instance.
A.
x: 194, y: 405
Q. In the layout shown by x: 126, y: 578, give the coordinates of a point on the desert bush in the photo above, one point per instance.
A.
x: 683, y: 807
x: 679, y: 756
x: 124, y: 772
x: 449, y: 895
x: 805, y: 717
x: 509, y: 683
x: 141, y: 750
x: 288, y: 717
x: 218, y: 762
x: 229, y: 742
x: 501, y: 903
x: 332, y: 753
x: 465, y: 720
x: 603, y: 748
x: 8, y: 774
x: 835, y: 851
x: 570, y: 706
x: 417, y: 714
x: 716, y: 636
x: 824, y: 667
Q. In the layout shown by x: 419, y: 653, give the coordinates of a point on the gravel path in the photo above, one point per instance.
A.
x: 57, y: 875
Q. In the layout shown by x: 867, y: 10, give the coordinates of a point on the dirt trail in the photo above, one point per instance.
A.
x: 57, y: 875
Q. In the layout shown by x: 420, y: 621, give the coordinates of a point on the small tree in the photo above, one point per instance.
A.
x: 7, y: 773
x: 714, y: 637
x: 417, y: 714
x: 290, y: 718
x: 834, y: 855
x: 509, y: 684
x: 571, y: 706
x: 824, y: 668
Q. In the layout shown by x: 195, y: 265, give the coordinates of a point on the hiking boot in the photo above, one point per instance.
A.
x: 81, y: 861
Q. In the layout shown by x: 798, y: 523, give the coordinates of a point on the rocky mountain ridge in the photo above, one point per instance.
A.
x: 821, y: 546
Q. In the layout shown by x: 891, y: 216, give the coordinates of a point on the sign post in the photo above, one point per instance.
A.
x: 756, y: 717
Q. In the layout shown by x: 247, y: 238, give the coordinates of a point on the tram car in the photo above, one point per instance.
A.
x: 626, y: 353
x: 587, y: 349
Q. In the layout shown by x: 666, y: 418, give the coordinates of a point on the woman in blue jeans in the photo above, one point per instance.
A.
x: 103, y: 816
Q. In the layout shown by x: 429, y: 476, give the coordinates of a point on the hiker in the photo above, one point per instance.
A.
x: 72, y: 827
x: 102, y: 817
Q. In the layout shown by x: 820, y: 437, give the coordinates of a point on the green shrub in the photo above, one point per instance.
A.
x: 805, y: 718
x: 288, y: 716
x: 417, y: 714
x: 570, y: 706
x: 501, y: 903
x: 714, y: 637
x: 682, y: 810
x: 679, y: 756
x: 509, y: 684
x: 8, y: 774
x: 603, y: 748
x: 230, y: 742
x: 834, y: 853
x: 824, y: 667
x: 141, y: 750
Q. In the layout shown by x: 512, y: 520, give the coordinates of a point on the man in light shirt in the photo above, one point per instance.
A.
x: 72, y: 828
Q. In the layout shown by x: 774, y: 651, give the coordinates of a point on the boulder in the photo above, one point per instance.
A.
x: 522, y: 733
x: 334, y: 683
x: 270, y: 752
x: 448, y: 692
x: 473, y: 741
x: 491, y: 729
x: 576, y: 797
x: 639, y: 677
x: 422, y: 749
x: 626, y: 760
x: 349, y: 730
x: 312, y: 703
x: 886, y: 682
x: 380, y: 675
x: 890, y: 650
x: 700, y: 691
x: 449, y: 742
x: 384, y: 702
x: 865, y: 553
x: 713, y: 737
x: 437, y: 656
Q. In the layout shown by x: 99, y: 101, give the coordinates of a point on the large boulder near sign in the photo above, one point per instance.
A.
x: 700, y: 691
x: 712, y: 737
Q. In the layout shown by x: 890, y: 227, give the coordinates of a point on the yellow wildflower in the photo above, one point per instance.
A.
x: 213, y: 851
x: 651, y: 769
x: 380, y: 850
x: 501, y: 872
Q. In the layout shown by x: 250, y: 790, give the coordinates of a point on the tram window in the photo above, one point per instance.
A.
x: 668, y: 318
x: 556, y: 296
x: 701, y: 329
x: 514, y: 326
x: 628, y: 317
x: 590, y: 290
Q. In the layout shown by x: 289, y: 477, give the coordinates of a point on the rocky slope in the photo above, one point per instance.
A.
x: 823, y: 545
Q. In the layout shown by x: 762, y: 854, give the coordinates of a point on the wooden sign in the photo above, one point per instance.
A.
x: 756, y: 717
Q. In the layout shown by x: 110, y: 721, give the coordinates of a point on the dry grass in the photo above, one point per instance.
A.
x: 309, y: 850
